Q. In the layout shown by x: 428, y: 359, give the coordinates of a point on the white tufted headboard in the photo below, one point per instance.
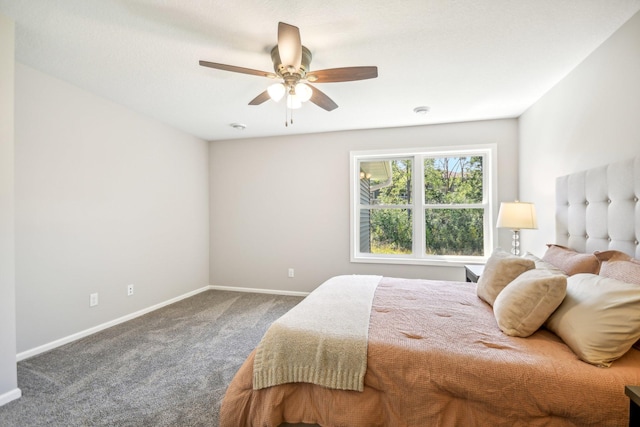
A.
x: 598, y: 209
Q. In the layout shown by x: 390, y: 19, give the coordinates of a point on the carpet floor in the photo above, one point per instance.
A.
x: 170, y: 367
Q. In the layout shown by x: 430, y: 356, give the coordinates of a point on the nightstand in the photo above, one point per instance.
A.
x: 473, y: 272
x: 633, y: 392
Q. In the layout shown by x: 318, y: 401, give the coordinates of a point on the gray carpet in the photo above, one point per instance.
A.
x: 170, y: 367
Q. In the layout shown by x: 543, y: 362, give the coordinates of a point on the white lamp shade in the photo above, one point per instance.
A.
x: 517, y: 216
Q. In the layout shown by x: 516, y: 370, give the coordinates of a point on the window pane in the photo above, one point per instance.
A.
x: 389, y: 181
x: 386, y: 231
x: 454, y: 232
x: 456, y: 180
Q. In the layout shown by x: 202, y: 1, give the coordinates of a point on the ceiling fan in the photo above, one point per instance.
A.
x: 291, y: 64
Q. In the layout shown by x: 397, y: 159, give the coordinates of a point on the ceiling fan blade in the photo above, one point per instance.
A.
x: 235, y: 69
x: 346, y: 74
x: 289, y: 46
x: 264, y: 96
x: 322, y: 100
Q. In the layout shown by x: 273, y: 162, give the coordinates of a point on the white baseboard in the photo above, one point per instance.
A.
x: 66, y: 340
x: 7, y: 397
x: 57, y: 343
x: 260, y: 291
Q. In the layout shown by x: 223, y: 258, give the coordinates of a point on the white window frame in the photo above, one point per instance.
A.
x: 418, y: 255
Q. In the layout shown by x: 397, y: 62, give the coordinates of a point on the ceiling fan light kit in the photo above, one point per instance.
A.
x: 300, y: 92
x: 291, y: 63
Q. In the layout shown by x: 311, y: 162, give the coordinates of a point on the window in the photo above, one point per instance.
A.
x: 423, y: 206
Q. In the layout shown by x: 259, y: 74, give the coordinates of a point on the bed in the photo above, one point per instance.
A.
x: 438, y: 353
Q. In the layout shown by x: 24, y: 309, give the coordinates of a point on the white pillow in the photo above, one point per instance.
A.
x: 526, y: 303
x: 599, y: 318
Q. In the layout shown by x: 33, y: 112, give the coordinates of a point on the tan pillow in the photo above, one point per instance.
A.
x: 599, y: 318
x: 570, y: 261
x: 501, y: 269
x: 526, y: 303
x: 620, y: 266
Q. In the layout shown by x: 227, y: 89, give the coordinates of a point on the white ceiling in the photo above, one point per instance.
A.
x: 465, y: 59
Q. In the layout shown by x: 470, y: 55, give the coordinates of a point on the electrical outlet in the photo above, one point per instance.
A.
x: 291, y: 272
x: 129, y: 290
x: 93, y: 300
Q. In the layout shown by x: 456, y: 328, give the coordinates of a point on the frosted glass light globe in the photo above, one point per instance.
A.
x: 276, y: 91
x: 303, y: 92
x: 293, y: 102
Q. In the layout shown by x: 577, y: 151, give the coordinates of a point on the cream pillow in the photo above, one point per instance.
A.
x: 599, y: 318
x: 526, y: 303
x: 500, y: 270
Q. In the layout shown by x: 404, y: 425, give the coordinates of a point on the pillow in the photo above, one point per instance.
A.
x: 620, y: 266
x: 543, y: 265
x: 599, y: 318
x: 501, y: 269
x: 570, y: 261
x: 526, y: 303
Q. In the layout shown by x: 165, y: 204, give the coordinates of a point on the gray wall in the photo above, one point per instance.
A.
x: 104, y: 198
x: 8, y: 379
x: 591, y: 118
x: 283, y: 202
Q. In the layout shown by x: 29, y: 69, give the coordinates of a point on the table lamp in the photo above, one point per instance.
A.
x: 517, y: 216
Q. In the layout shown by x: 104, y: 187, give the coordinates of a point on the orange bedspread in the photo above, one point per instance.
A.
x: 436, y: 357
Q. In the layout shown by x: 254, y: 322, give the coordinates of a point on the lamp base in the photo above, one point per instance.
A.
x: 515, y: 243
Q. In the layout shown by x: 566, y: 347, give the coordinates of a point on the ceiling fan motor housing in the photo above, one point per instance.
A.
x: 282, y: 70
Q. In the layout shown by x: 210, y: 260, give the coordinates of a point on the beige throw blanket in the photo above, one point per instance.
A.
x: 323, y: 340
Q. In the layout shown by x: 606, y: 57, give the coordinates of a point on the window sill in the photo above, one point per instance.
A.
x: 435, y: 261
